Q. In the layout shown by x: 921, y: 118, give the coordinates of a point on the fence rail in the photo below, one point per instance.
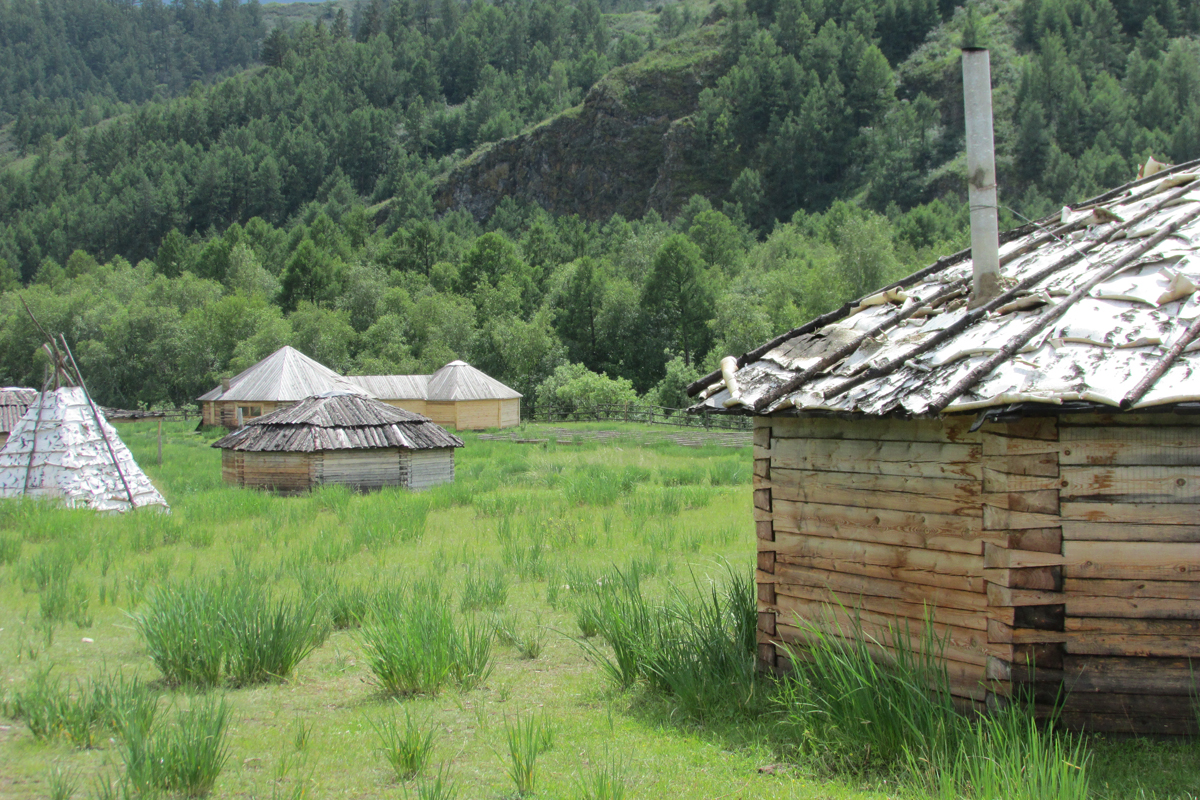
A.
x: 126, y: 414
x: 645, y: 414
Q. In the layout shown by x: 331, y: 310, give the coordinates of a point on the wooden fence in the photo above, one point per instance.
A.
x: 128, y: 415
x: 645, y: 414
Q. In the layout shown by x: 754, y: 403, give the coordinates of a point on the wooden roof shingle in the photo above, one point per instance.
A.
x: 337, y: 422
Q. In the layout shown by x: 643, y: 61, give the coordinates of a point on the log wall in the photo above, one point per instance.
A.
x: 477, y: 415
x: 1070, y: 545
x: 416, y: 406
x: 362, y: 469
x: 286, y: 473
x: 510, y: 413
x: 217, y: 412
x: 427, y: 468
x: 1131, y: 546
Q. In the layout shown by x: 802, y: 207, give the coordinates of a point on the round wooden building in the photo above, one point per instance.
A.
x: 338, y: 438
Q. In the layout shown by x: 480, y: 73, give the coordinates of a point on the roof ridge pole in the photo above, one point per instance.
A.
x: 981, y: 175
x: 99, y: 425
x: 1160, y: 369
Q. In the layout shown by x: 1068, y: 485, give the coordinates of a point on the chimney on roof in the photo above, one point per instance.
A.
x: 981, y: 175
x: 225, y: 384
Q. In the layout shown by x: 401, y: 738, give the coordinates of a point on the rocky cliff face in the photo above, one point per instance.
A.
x: 624, y: 150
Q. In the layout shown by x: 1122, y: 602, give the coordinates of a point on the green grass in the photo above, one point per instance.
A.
x: 652, y: 534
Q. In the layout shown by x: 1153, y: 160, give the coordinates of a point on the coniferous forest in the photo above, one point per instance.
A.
x: 186, y: 186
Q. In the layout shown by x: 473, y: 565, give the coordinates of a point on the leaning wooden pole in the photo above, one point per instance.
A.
x: 37, y: 423
x: 99, y: 424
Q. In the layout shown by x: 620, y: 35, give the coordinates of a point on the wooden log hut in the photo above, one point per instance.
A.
x: 1021, y: 468
x: 279, y: 380
x: 457, y: 396
x: 14, y: 400
x: 338, y: 438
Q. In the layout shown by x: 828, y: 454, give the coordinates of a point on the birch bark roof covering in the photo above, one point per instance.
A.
x: 337, y: 422
x: 286, y: 375
x: 1100, y: 306
x: 70, y: 459
x: 13, y: 402
x: 456, y: 381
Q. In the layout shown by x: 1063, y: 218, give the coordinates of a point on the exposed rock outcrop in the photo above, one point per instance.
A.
x: 624, y: 150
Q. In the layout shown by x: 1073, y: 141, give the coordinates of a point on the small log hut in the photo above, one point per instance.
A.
x: 14, y: 400
x: 341, y: 438
x: 279, y: 380
x: 1025, y: 471
x: 457, y: 396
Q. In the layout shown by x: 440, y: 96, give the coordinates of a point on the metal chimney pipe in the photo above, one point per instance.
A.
x: 981, y: 175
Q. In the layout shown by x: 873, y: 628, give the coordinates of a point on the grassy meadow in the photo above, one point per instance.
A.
x: 564, y: 621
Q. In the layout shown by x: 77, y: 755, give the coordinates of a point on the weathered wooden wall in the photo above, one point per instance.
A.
x: 1130, y: 486
x: 1071, y: 544
x: 217, y: 412
x: 362, y: 469
x: 877, y: 519
x: 286, y: 473
x: 429, y: 467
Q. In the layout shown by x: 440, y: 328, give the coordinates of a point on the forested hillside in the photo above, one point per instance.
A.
x: 409, y: 182
x: 68, y: 64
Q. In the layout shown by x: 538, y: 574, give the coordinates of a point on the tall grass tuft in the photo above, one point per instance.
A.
x: 200, y: 632
x: 697, y: 648
x: 10, y: 548
x: 608, y: 781
x: 439, y: 787
x: 85, y: 714
x: 1010, y: 756
x: 406, y: 747
x: 183, y: 758
x: 526, y: 741
x: 484, y: 587
x: 413, y: 645
x: 868, y: 712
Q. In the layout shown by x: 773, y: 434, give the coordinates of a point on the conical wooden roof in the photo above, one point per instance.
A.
x: 337, y: 422
x: 287, y: 375
x: 458, y: 380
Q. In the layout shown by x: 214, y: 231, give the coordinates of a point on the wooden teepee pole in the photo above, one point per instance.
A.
x: 99, y: 424
x: 37, y: 423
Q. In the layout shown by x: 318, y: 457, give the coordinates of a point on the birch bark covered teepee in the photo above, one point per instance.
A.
x: 63, y: 448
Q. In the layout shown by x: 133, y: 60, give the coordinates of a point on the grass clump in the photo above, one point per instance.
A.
x: 413, y: 645
x: 438, y: 787
x: 406, y: 747
x: 183, y: 758
x: 698, y: 648
x: 484, y: 587
x: 203, y: 632
x: 608, y: 781
x: 1010, y: 756
x: 84, y: 714
x: 862, y: 708
x: 526, y: 741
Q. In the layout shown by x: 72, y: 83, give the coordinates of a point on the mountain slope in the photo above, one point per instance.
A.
x: 624, y: 150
